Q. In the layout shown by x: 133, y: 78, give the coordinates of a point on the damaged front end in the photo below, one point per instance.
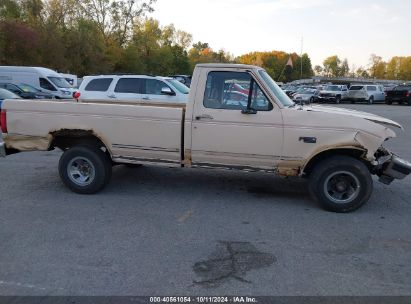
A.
x: 389, y: 166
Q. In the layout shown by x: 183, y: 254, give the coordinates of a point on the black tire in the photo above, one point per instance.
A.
x: 329, y: 178
x: 388, y: 102
x: 352, y: 101
x: 338, y: 99
x: 409, y: 103
x: 311, y: 100
x: 94, y: 160
x: 371, y: 100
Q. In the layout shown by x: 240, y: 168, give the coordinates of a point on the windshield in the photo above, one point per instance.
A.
x: 60, y: 82
x: 5, y: 94
x: 179, y: 86
x: 275, y: 89
x: 28, y: 88
x: 332, y: 88
x: 356, y: 88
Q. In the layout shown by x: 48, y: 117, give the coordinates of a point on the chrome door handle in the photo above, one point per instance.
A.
x: 146, y: 98
x: 204, y: 116
x: 111, y: 96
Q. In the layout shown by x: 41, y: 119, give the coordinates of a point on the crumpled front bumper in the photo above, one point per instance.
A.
x: 393, y: 167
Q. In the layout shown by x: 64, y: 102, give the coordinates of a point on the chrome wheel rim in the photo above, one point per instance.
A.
x: 342, y: 187
x: 81, y: 171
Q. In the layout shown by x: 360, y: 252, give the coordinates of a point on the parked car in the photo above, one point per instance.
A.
x: 334, y: 93
x: 289, y: 89
x: 25, y: 91
x: 337, y: 150
x: 400, y: 94
x: 6, y: 94
x: 48, y: 81
x: 71, y: 79
x: 133, y: 88
x: 184, y: 79
x: 306, y: 95
x: 366, y: 92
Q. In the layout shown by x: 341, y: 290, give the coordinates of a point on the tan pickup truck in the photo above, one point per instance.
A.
x: 236, y: 118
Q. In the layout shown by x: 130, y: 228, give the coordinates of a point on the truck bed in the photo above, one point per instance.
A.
x: 132, y: 132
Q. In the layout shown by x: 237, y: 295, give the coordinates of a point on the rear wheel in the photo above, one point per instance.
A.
x: 341, y: 184
x: 85, y: 169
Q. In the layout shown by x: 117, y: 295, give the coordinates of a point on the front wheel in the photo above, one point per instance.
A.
x: 341, y: 184
x: 85, y: 169
x: 371, y: 100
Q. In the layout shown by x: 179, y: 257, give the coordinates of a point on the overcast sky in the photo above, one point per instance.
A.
x: 351, y: 29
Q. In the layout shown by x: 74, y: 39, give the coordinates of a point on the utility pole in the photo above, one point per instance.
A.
x: 301, y: 56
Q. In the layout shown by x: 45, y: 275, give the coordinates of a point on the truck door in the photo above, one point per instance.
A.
x: 234, y: 124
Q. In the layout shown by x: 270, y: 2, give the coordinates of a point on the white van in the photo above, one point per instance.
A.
x: 46, y: 80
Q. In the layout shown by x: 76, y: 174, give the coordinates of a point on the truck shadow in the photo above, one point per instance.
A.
x: 209, y: 182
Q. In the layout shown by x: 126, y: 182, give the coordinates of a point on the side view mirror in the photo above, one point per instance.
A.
x: 167, y: 91
x: 248, y: 111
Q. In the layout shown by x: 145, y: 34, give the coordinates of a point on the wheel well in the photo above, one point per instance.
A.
x: 355, y: 153
x: 65, y: 139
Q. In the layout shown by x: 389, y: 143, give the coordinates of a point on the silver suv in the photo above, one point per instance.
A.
x: 334, y: 93
x: 366, y: 92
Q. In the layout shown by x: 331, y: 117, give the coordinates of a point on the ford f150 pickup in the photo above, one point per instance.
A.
x: 256, y: 127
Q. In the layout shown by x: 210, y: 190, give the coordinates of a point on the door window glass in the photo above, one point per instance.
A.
x: 129, y: 85
x: 99, y: 85
x: 371, y: 88
x: 154, y: 87
x: 234, y: 91
x: 45, y: 84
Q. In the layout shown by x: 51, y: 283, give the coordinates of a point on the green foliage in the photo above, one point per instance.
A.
x: 105, y: 36
x: 275, y: 64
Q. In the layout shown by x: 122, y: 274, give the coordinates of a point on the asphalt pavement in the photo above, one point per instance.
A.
x: 160, y: 231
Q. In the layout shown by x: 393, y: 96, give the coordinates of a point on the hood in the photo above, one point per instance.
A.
x: 354, y: 113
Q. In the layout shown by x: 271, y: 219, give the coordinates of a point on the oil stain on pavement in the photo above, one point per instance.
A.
x: 231, y: 260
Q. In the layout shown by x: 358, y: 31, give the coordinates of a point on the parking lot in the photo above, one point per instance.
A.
x: 160, y: 231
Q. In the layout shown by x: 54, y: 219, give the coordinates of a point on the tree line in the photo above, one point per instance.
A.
x: 86, y: 37
x: 397, y: 68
